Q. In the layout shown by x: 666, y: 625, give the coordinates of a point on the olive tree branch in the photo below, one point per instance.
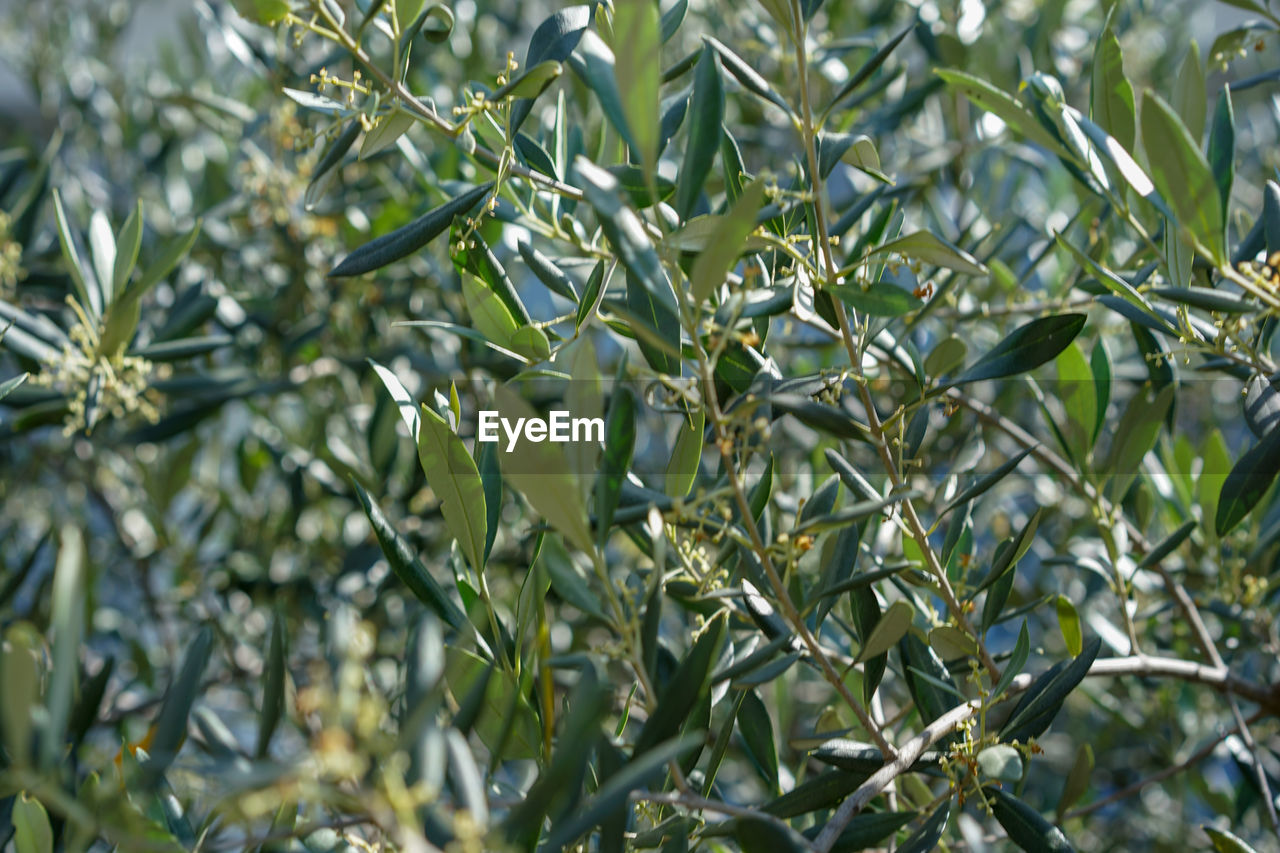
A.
x: 879, y: 439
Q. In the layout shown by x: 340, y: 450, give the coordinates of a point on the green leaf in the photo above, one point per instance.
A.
x: 932, y: 249
x: 684, y: 688
x: 595, y: 64
x: 1111, y: 102
x: 266, y: 12
x: 1025, y: 826
x: 408, y: 239
x: 866, y: 830
x: 384, y: 134
x: 324, y: 172
x: 822, y: 791
x: 453, y: 476
x: 707, y: 112
x: 489, y: 315
x: 926, y: 838
x: 756, y: 727
x: 1004, y: 106
x: 406, y: 564
x: 530, y: 83
x: 1224, y: 841
x: 1069, y: 624
x: 637, y: 69
x: 1189, y: 92
x: 591, y: 294
x: 89, y: 299
x: 758, y: 835
x: 1248, y: 482
x: 1077, y: 778
x: 893, y: 625
x: 1001, y: 762
x: 1134, y: 437
x: 867, y: 69
x: 9, y: 385
x: 727, y: 243
x: 1222, y: 149
x: 170, y: 255
x: 1182, y: 174
x: 615, y: 791
x: 1110, y: 280
x: 171, y: 722
x: 747, y: 76
x: 656, y: 326
x: 625, y: 232
x: 547, y: 272
x: 587, y: 706
x: 1014, y: 665
x: 686, y: 453
x: 128, y: 243
x: 502, y: 715
x: 878, y: 299
x: 1044, y: 698
x: 1206, y: 299
x: 273, y: 677
x: 20, y: 679
x: 1027, y: 347
x: 539, y: 471
x: 1079, y: 400
x: 951, y: 643
x: 986, y: 481
x: 67, y: 618
x: 619, y: 443
x: 32, y: 832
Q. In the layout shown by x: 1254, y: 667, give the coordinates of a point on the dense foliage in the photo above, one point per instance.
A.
x: 934, y: 347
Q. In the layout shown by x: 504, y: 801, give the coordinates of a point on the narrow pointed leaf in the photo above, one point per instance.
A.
x: 408, y: 239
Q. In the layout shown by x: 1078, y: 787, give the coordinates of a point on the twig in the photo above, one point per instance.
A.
x: 1159, y: 776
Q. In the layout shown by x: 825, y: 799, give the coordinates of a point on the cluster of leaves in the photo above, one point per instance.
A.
x: 941, y: 423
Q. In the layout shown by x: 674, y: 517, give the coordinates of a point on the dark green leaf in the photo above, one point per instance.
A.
x: 410, y: 238
x: 1044, y: 698
x: 273, y: 677
x: 879, y: 299
x: 728, y: 241
x: 931, y: 700
x: 1014, y: 665
x: 1027, y: 347
x: 684, y: 689
x: 747, y: 76
x: 1248, y: 481
x: 1111, y: 102
x: 867, y: 69
x: 619, y: 442
x: 986, y: 481
x: 1222, y: 148
x: 925, y: 839
x: 406, y: 564
x: 822, y: 791
x: 613, y: 794
x: 1025, y: 826
x: 756, y: 727
x: 171, y: 721
x: 707, y: 108
x: 1182, y: 174
x: 866, y: 830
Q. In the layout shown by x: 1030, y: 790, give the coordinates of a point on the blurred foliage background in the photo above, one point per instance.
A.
x: 196, y: 516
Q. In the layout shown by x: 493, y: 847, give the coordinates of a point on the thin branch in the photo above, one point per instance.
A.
x: 1138, y: 665
x: 1159, y: 776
